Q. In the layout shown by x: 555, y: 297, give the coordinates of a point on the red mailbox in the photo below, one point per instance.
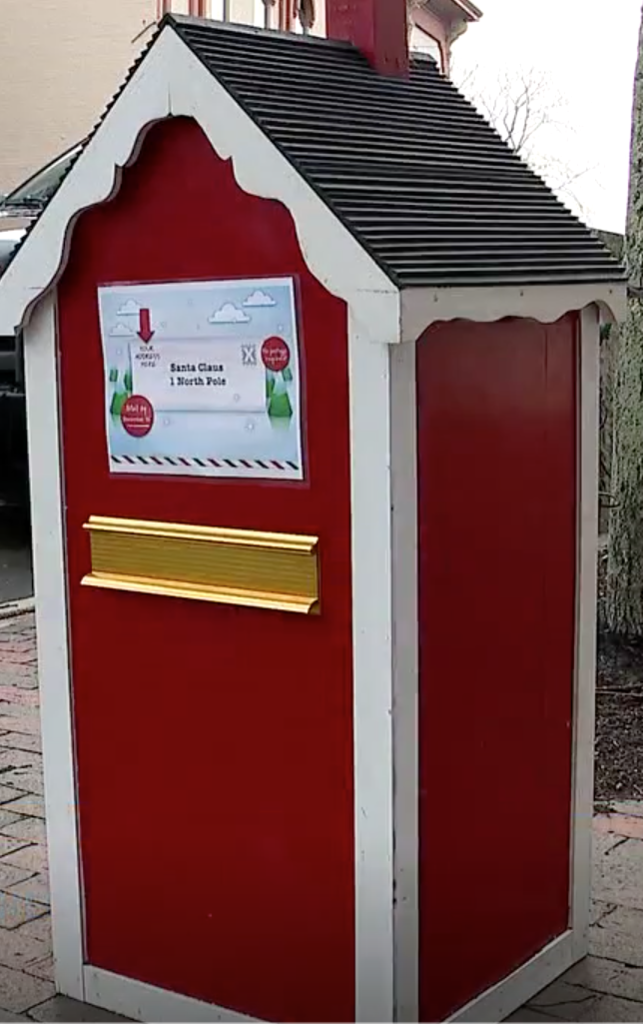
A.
x: 312, y: 364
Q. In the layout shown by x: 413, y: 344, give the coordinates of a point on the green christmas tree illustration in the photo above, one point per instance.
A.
x: 279, y: 406
x: 121, y: 394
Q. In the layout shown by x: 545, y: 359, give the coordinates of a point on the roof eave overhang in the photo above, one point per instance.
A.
x: 472, y: 12
x: 421, y: 307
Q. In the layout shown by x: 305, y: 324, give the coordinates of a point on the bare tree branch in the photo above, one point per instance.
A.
x: 528, y: 113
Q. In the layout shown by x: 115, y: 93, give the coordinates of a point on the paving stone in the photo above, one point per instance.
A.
x: 21, y: 741
x: 602, y: 843
x: 19, y: 949
x: 9, y: 844
x: 26, y: 681
x: 32, y: 858
x: 610, y: 1008
x: 16, y: 654
x: 20, y: 722
x: 30, y: 804
x: 596, y: 974
x: 14, y: 910
x: 39, y: 929
x: 61, y: 1008
x: 18, y: 678
x: 529, y: 1016
x: 618, y: 936
x: 14, y: 758
x: 7, y: 793
x: 567, y: 1002
x: 19, y: 992
x: 10, y: 875
x: 27, y: 780
x: 30, y: 829
x: 22, y: 698
x: 617, y: 876
x: 634, y: 807
x: 35, y: 888
x: 7, y: 817
x: 44, y: 969
x: 610, y: 978
x: 620, y: 824
x: 11, y: 709
x: 4, y: 1016
x: 598, y: 909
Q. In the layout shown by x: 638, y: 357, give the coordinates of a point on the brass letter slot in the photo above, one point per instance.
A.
x: 205, y: 563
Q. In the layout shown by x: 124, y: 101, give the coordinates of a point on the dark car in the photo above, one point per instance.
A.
x: 24, y: 204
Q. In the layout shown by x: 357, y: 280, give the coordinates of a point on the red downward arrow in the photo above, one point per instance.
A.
x: 145, y: 332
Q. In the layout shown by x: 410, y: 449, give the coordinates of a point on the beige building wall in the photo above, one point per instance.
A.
x: 60, y: 63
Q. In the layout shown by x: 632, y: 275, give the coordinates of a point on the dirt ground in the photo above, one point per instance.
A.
x: 619, y: 716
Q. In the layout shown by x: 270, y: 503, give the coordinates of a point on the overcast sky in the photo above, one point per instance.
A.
x: 588, y: 51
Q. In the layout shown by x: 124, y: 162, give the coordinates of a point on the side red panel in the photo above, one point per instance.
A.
x: 497, y: 526
x: 214, y: 744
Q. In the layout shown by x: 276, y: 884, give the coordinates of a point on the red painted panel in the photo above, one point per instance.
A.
x: 214, y: 744
x: 497, y: 437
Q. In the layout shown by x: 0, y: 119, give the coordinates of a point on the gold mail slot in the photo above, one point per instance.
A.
x: 205, y: 563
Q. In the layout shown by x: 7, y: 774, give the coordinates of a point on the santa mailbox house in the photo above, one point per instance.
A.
x: 311, y: 364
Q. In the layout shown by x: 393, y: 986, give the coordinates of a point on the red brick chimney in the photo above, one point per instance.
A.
x: 377, y: 27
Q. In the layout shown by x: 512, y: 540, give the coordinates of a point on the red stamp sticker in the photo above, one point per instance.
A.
x: 137, y: 416
x: 275, y: 354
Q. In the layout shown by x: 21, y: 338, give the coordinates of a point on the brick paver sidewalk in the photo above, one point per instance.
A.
x: 26, y: 967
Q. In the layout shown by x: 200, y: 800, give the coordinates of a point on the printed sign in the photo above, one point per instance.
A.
x: 202, y: 378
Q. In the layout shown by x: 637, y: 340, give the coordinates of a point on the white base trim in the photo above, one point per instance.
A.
x: 144, y: 1002
x: 510, y: 994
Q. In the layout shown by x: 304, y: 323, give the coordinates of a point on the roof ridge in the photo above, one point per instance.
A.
x: 238, y: 28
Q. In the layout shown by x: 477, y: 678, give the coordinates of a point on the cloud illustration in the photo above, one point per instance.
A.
x: 259, y: 298
x: 229, y: 314
x: 129, y: 308
x: 121, y: 331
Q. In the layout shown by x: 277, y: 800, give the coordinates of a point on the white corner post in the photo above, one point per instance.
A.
x: 48, y: 531
x: 585, y: 665
x: 370, y: 418
x: 404, y: 505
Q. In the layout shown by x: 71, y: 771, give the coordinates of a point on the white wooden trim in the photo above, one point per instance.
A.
x: 585, y: 661
x: 422, y: 307
x: 508, y: 995
x: 53, y: 661
x: 144, y: 1002
x: 172, y: 81
x: 405, y: 678
x: 372, y: 673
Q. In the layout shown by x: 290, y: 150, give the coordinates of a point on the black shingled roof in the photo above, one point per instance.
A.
x: 409, y: 166
x: 420, y: 179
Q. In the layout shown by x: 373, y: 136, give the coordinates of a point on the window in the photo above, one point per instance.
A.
x: 424, y: 43
x: 261, y: 14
